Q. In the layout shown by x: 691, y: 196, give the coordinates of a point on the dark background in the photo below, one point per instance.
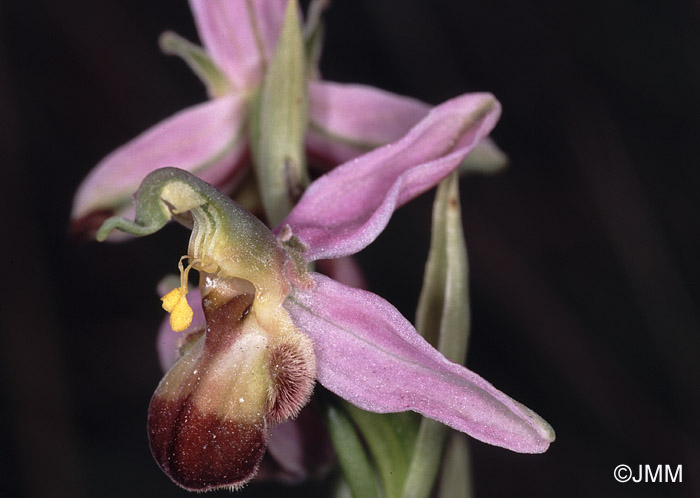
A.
x: 584, y: 253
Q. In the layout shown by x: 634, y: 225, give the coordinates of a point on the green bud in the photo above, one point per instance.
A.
x: 279, y: 125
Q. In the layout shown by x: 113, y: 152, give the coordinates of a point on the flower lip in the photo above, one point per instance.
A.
x: 203, y: 452
x: 209, y: 417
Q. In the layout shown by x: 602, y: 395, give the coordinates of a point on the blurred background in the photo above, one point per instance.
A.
x: 583, y: 253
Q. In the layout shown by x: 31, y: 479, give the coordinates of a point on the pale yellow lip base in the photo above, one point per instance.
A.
x: 175, y: 301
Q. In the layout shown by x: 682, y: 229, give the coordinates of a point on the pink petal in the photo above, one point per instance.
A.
x: 239, y: 39
x: 369, y: 354
x: 346, y: 209
x: 349, y: 120
x: 168, y: 342
x: 206, y: 139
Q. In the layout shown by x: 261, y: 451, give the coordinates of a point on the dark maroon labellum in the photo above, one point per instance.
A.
x: 201, y: 451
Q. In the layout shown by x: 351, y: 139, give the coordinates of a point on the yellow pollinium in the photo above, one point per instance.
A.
x: 175, y: 301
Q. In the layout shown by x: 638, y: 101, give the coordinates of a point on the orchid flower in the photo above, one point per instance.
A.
x: 273, y: 327
x: 211, y: 139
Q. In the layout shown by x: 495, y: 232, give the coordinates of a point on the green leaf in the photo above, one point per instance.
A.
x: 351, y: 454
x: 279, y: 127
x: 442, y: 317
x: 389, y: 438
x: 426, y: 459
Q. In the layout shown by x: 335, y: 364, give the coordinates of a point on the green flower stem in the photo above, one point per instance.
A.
x: 351, y: 454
